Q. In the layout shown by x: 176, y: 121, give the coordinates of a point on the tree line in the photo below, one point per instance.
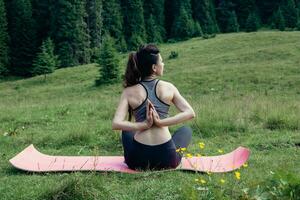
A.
x: 37, y: 36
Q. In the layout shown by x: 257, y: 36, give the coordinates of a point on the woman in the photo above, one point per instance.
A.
x: 147, y: 142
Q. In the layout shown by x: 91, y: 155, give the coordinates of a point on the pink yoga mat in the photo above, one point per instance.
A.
x: 32, y: 160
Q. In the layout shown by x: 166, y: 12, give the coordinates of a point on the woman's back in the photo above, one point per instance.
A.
x: 160, y: 93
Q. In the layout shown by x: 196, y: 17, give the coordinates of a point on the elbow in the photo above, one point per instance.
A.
x: 115, y: 126
x: 192, y: 114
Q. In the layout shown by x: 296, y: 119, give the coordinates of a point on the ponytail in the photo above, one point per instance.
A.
x: 132, y: 74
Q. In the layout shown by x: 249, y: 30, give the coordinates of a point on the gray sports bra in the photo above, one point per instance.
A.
x: 161, y: 107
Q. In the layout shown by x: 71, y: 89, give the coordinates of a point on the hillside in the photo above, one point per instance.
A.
x: 244, y: 87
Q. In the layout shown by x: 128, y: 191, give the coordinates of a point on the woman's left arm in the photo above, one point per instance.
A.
x: 119, y: 122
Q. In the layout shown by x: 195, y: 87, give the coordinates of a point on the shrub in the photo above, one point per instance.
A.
x: 108, y: 62
x: 173, y: 55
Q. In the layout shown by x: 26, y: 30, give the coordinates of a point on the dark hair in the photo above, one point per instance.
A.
x: 140, y: 63
x: 139, y: 66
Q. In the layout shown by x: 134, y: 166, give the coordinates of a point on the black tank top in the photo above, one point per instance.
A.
x: 161, y: 107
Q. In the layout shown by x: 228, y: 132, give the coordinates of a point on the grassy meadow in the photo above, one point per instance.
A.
x: 244, y: 88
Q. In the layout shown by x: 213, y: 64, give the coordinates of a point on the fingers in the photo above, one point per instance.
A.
x: 147, y: 108
x: 155, y: 115
x: 151, y: 114
x: 150, y: 106
x: 150, y: 103
x: 154, y: 111
x: 151, y: 111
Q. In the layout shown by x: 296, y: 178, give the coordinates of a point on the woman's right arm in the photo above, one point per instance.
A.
x: 186, y: 111
x: 120, y: 123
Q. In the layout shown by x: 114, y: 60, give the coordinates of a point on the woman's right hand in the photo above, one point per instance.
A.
x: 149, y: 115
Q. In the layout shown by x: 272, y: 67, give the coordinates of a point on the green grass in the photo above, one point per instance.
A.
x: 244, y: 88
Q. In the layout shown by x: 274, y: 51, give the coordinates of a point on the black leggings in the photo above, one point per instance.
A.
x: 162, y: 156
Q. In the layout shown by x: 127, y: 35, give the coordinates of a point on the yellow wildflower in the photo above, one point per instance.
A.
x: 201, y: 145
x: 245, y: 165
x: 220, y: 151
x: 198, y: 155
x: 237, y: 175
x: 189, y: 155
x: 183, y: 149
x: 177, y: 150
x: 202, y: 181
x: 222, y: 181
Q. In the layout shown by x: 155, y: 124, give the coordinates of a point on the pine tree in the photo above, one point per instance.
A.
x: 183, y: 26
x: 113, y: 22
x: 252, y: 23
x: 226, y: 17
x: 298, y: 4
x: 197, y: 30
x: 83, y: 39
x: 62, y: 24
x: 232, y: 24
x: 243, y: 8
x: 214, y: 16
x: 108, y: 63
x: 135, y: 33
x: 135, y: 40
x: 203, y: 13
x: 23, y: 42
x: 154, y: 20
x: 171, y: 9
x: 278, y: 20
x: 281, y: 21
x: 69, y: 31
x: 153, y: 34
x: 298, y: 7
x: 4, y: 39
x: 290, y: 13
x: 41, y: 14
x: 46, y: 61
x: 266, y: 9
x: 94, y: 23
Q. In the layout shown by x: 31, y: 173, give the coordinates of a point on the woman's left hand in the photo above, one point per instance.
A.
x: 156, y: 118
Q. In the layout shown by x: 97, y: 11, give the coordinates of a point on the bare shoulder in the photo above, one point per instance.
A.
x: 131, y: 90
x: 168, y: 85
x: 166, y: 91
x: 135, y: 95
